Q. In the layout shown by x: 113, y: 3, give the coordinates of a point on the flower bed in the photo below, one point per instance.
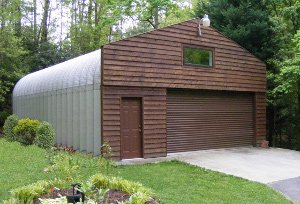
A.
x: 98, y: 189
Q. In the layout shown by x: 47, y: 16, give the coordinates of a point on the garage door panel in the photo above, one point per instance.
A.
x: 207, y: 120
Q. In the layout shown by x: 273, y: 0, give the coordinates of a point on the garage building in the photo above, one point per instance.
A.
x: 165, y: 91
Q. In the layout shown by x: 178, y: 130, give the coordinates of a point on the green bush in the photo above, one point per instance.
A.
x: 26, y: 130
x: 45, y: 136
x: 8, y: 128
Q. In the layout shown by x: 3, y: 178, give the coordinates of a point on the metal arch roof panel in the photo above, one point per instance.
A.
x: 80, y: 71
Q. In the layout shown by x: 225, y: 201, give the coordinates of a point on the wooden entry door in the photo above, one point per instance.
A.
x: 131, y: 128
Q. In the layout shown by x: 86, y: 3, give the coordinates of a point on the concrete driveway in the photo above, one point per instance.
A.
x: 279, y: 168
x: 256, y: 164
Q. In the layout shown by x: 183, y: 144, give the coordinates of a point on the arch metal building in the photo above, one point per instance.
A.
x: 151, y: 94
x: 68, y: 96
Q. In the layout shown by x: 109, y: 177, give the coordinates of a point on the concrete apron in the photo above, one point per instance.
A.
x: 279, y: 168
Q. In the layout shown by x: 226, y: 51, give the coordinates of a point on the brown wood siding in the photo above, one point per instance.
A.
x: 154, y: 118
x: 154, y: 59
x: 198, y: 120
x: 147, y: 65
x: 260, y: 117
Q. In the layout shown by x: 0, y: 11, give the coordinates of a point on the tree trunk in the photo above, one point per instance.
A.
x: 89, y: 16
x: 61, y: 24
x: 297, y: 145
x: 298, y: 95
x: 2, y: 15
x: 18, y: 21
x: 75, y: 18
x: 34, y: 24
x: 96, y: 14
x: 156, y: 18
x: 110, y: 33
x: 271, y: 126
x: 44, y: 26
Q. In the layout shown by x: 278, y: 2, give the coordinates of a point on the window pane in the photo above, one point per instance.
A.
x: 196, y: 56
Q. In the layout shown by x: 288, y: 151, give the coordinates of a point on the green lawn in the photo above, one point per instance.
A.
x: 172, y: 182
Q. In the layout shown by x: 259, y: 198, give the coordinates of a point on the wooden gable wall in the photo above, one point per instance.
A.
x: 154, y: 59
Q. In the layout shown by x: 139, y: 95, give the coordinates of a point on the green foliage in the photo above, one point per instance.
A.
x: 11, y: 67
x: 138, y: 198
x: 289, y: 76
x: 64, y: 167
x: 286, y: 95
x: 154, y: 12
x: 8, y: 128
x: 26, y: 194
x: 25, y: 130
x: 48, y: 54
x: 94, y: 195
x: 45, y: 135
x: 11, y: 52
x: 101, y: 181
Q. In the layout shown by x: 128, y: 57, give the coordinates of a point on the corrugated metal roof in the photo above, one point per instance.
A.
x: 80, y: 71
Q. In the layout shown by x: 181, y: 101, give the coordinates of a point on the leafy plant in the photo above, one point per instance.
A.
x: 136, y: 198
x: 26, y: 130
x: 8, y: 128
x: 139, y: 194
x: 93, y: 198
x: 106, y: 151
x: 105, y: 159
x: 64, y: 167
x: 100, y: 195
x: 45, y: 135
x: 26, y: 194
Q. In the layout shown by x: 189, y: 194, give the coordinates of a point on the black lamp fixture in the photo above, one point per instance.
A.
x: 77, y: 195
x: 205, y: 21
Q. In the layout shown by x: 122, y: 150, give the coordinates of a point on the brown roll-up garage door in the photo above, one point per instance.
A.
x: 207, y: 120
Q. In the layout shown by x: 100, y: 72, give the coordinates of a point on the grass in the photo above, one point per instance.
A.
x: 20, y: 165
x: 177, y: 182
x: 172, y: 182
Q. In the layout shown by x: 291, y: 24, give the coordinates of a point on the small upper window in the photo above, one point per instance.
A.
x: 197, y: 57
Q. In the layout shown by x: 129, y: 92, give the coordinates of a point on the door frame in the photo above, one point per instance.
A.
x: 141, y: 99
